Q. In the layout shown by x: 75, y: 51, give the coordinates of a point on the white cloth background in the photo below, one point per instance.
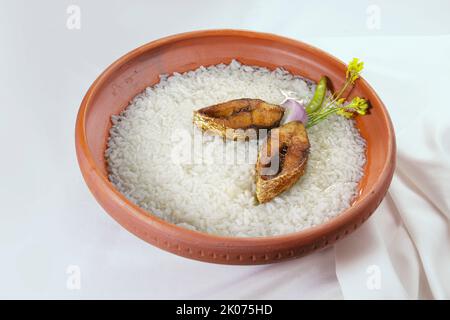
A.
x: 49, y: 220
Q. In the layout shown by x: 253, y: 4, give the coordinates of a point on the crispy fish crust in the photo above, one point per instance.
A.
x: 290, y: 146
x: 230, y: 119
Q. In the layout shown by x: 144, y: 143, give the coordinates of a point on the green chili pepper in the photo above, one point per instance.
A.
x: 336, y: 105
x: 319, y: 95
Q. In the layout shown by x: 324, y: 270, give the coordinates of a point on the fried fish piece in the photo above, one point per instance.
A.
x: 281, y: 160
x: 226, y: 118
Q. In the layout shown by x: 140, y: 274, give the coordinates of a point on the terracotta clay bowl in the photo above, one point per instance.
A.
x: 140, y: 68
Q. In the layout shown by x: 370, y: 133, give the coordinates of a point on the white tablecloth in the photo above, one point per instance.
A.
x: 52, y: 230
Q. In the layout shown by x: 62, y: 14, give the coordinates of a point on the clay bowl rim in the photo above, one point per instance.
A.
x: 359, y: 203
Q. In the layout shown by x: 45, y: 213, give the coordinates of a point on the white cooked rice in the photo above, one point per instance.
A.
x: 217, y: 197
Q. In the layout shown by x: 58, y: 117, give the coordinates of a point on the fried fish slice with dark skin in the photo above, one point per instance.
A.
x: 281, y: 160
x: 238, y: 114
